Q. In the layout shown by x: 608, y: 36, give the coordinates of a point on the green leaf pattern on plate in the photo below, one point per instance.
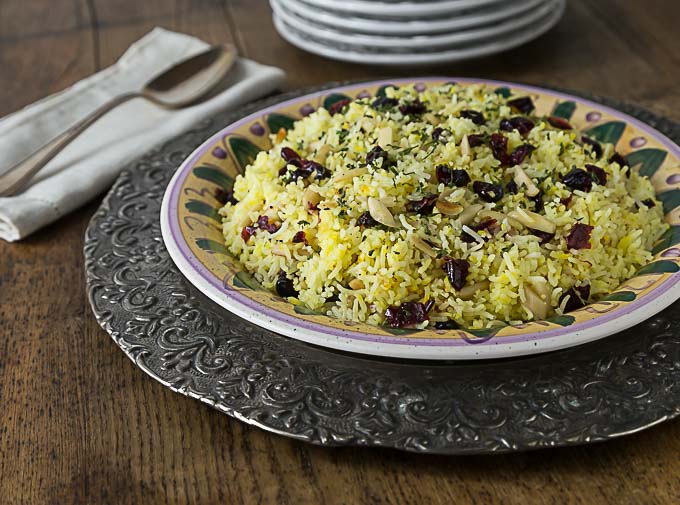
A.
x: 659, y: 267
x: 277, y: 121
x: 504, y: 92
x: 670, y: 200
x: 212, y: 246
x: 609, y: 132
x: 332, y: 99
x: 670, y: 238
x: 244, y: 151
x: 564, y: 110
x: 620, y: 296
x: 563, y: 320
x: 214, y: 175
x: 203, y: 208
x: 244, y: 280
x: 649, y: 159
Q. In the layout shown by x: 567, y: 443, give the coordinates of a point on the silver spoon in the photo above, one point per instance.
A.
x: 185, y: 83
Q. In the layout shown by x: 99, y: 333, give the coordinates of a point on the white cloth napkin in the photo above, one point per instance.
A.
x: 91, y: 163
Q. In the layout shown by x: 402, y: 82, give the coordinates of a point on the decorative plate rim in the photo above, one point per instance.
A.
x: 404, y: 346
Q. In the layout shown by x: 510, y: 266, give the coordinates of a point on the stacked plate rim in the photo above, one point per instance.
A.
x: 443, y: 31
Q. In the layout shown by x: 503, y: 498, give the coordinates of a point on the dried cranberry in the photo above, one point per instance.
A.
x: 598, y: 174
x: 414, y: 108
x: 439, y: 134
x: 578, y: 179
x: 542, y: 235
x: 617, y: 158
x: 520, y: 153
x: 456, y: 270
x: 537, y: 201
x: 423, y: 206
x: 225, y: 196
x: 285, y: 286
x: 406, y: 314
x: 365, y: 219
x: 375, y: 154
x: 578, y: 297
x: 443, y: 174
x: 559, y: 122
x: 457, y: 177
x: 499, y: 148
x: 446, y: 325
x: 383, y: 104
x: 511, y: 188
x: 476, y: 139
x: 302, y: 172
x: 300, y: 237
x: 649, y: 203
x: 338, y: 106
x: 595, y: 146
x: 283, y: 171
x: 247, y: 232
x: 567, y: 200
x: 311, y: 167
x: 488, y: 191
x: 523, y: 104
x: 460, y: 178
x: 264, y: 224
x: 520, y: 123
x: 289, y: 154
x: 579, y: 237
x: 474, y: 116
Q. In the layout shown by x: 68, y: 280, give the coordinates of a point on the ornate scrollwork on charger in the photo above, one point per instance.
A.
x: 594, y: 392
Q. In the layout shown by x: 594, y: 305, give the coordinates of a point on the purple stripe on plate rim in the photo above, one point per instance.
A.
x: 240, y: 298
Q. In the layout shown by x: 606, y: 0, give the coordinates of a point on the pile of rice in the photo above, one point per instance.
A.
x: 357, y: 272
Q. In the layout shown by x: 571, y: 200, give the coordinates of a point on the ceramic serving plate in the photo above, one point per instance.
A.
x: 378, y: 43
x: 352, y: 22
x: 404, y: 9
x: 400, y: 57
x: 191, y: 232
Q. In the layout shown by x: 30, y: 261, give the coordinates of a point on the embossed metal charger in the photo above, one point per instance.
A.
x: 594, y: 392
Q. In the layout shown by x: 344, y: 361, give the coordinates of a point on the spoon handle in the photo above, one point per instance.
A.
x: 16, y: 178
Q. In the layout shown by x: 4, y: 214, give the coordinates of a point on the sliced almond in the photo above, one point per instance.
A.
x: 385, y: 137
x: 351, y: 174
x: 423, y: 246
x: 279, y: 250
x: 431, y: 118
x: 381, y: 213
x: 449, y: 208
x: 322, y: 153
x: 465, y: 146
x: 356, y: 284
x: 478, y: 238
x: 532, y: 220
x: 522, y: 179
x: 469, y: 213
x: 542, y: 289
x: 468, y: 291
x: 310, y: 199
x: 492, y: 214
x: 535, y: 304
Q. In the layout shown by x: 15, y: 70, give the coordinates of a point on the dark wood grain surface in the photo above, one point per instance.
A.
x: 79, y: 423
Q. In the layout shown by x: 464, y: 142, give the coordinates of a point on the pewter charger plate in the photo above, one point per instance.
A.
x: 612, y: 387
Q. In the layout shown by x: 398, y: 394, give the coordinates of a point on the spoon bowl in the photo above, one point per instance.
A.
x: 191, y: 79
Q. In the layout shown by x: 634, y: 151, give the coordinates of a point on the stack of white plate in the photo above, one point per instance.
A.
x: 412, y: 32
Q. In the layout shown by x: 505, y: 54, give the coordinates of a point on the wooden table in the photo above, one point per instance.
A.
x: 80, y: 423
